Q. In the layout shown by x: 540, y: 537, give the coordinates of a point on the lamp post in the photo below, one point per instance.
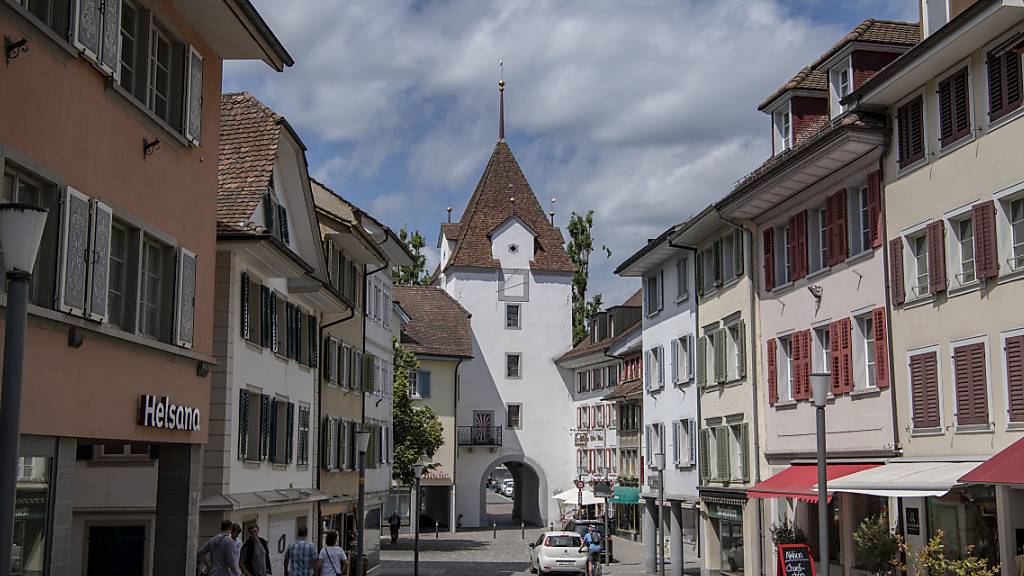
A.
x: 362, y: 445
x: 659, y: 465
x: 417, y: 471
x: 819, y: 386
x: 21, y: 230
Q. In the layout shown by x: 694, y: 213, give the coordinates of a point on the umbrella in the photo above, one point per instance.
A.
x: 571, y: 496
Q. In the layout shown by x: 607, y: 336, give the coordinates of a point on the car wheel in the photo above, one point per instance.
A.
x: 533, y: 569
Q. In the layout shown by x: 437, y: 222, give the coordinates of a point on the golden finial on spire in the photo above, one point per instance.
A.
x: 501, y: 101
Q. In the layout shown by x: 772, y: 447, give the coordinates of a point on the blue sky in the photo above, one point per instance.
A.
x: 642, y: 111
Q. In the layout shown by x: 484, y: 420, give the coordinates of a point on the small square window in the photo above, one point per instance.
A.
x: 514, y: 416
x: 513, y: 365
x: 512, y: 316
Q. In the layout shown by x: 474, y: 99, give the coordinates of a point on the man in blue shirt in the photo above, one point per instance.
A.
x: 594, y: 544
x: 300, y: 556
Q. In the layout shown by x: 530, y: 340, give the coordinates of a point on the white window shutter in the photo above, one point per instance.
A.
x: 661, y: 366
x: 661, y: 289
x: 661, y: 436
x: 675, y: 362
x: 647, y: 369
x: 185, y: 298
x: 99, y: 268
x: 88, y: 27
x: 74, y: 254
x: 689, y: 357
x: 650, y: 443
x: 194, y: 95
x: 110, y: 59
x: 693, y: 442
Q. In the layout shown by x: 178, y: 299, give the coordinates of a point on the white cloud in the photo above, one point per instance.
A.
x: 643, y: 111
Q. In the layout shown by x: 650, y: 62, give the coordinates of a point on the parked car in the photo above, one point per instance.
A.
x: 581, y: 526
x: 509, y: 490
x: 558, y: 552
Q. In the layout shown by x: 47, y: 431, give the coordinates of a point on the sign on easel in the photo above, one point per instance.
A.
x: 795, y: 560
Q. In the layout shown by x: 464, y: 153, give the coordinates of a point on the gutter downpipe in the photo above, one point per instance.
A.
x: 759, y: 522
x: 455, y: 461
x: 696, y: 329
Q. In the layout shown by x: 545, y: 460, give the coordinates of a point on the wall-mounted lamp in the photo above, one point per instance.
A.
x: 76, y: 336
x: 14, y: 48
x: 815, y: 290
x: 149, y: 147
x: 202, y: 369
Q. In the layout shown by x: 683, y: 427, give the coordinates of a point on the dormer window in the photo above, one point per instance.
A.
x: 783, y: 129
x: 840, y: 85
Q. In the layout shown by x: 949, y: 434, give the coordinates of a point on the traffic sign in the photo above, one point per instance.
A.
x: 580, y: 484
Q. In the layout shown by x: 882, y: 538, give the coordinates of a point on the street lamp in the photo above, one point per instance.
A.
x: 820, y: 382
x: 21, y: 230
x: 417, y: 471
x: 362, y: 445
x: 659, y: 465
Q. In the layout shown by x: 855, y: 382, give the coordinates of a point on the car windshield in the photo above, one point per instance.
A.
x: 564, y: 541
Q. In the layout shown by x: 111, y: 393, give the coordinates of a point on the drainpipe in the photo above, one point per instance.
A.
x: 455, y: 450
x: 888, y: 300
x: 752, y: 270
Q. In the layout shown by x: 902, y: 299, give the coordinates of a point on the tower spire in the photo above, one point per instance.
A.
x: 501, y: 102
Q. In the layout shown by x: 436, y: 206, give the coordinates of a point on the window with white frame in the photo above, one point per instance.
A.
x: 822, y: 235
x: 866, y: 353
x: 735, y: 361
x: 783, y: 129
x: 654, y: 292
x: 963, y: 229
x: 682, y: 359
x: 707, y: 264
x: 840, y: 85
x: 822, y: 354
x: 859, y: 222
x: 513, y: 365
x: 1016, y: 213
x: 682, y: 278
x: 419, y: 383
x: 782, y: 263
x: 919, y: 253
x: 785, y: 368
x: 152, y: 302
x: 655, y: 368
x: 512, y: 316
x: 683, y: 442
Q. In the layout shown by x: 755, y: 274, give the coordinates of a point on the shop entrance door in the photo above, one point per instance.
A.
x: 116, y: 550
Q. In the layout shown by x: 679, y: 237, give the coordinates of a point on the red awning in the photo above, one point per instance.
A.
x: 798, y: 481
x: 1006, y: 467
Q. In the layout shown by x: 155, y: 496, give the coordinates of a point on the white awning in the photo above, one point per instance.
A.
x: 571, y: 496
x: 904, y: 479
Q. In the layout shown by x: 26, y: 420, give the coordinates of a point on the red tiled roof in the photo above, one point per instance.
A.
x: 625, y: 389
x: 492, y: 204
x: 870, y: 31
x: 438, y: 326
x: 636, y: 300
x: 586, y: 347
x: 451, y: 230
x: 249, y: 136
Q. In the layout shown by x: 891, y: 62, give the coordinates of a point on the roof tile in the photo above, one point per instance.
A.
x: 249, y: 136
x: 439, y: 325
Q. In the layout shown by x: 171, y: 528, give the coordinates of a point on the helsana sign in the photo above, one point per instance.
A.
x: 159, y: 412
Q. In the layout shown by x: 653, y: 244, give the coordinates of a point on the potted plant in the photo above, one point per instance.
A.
x: 877, y: 545
x: 785, y: 532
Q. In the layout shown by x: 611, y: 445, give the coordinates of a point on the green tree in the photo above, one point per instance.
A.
x: 876, y: 543
x: 581, y: 244
x: 417, y: 430
x: 932, y: 559
x: 417, y: 272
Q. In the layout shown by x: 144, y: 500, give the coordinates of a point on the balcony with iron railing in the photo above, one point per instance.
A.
x: 479, y: 435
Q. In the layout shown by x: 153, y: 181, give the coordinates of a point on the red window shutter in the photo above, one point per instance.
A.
x: 796, y: 344
x: 896, y: 280
x: 961, y: 105
x: 986, y: 250
x: 838, y: 243
x: 769, y: 258
x: 875, y: 208
x: 924, y: 388
x: 846, y: 347
x: 910, y: 129
x: 936, y: 237
x: 835, y: 364
x: 971, y: 384
x: 773, y: 385
x: 979, y: 384
x: 808, y: 357
x: 995, y: 87
x: 1014, y: 350
x: 881, y: 347
x: 945, y: 93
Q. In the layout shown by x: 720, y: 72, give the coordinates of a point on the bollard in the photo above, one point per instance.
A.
x: 494, y: 526
x: 522, y: 529
x: 551, y: 527
x: 437, y: 531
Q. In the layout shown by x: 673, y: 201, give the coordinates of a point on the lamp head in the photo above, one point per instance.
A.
x: 659, y: 461
x: 417, y: 470
x: 362, y: 441
x: 820, y: 382
x: 21, y: 230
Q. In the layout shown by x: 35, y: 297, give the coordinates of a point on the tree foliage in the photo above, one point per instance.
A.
x: 581, y: 244
x: 932, y: 559
x: 417, y: 430
x: 876, y: 543
x: 417, y: 272
x: 785, y: 532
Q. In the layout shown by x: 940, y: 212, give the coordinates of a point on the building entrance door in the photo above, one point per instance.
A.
x: 116, y: 550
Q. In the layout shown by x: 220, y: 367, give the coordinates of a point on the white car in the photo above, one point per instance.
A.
x: 558, y: 552
x: 508, y: 490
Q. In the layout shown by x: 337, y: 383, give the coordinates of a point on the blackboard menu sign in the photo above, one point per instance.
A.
x: 795, y: 560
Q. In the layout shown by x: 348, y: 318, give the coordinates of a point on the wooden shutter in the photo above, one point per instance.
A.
x: 702, y: 361
x: 264, y: 426
x: 273, y: 300
x: 110, y: 57
x: 688, y: 339
x: 368, y: 372
x: 290, y: 434
x: 897, y: 283
x: 910, y: 132
x: 744, y: 452
x: 846, y: 351
x: 243, y: 424
x: 971, y: 384
x: 194, y: 95
x: 88, y: 27
x: 314, y: 341
x: 798, y: 245
x: 274, y: 456
x: 875, y: 226
x: 243, y: 317
x: 99, y: 263
x: 737, y: 252
x: 702, y: 458
x: 185, y: 298
x: 924, y: 387
x: 722, y: 453
x: 936, y: 238
x: 699, y: 272
x: 835, y: 216
x: 1004, y: 87
x: 718, y: 337
x: 768, y: 246
x: 325, y: 444
x: 797, y: 361
x: 986, y: 249
x: 741, y: 349
x: 282, y: 222
x: 1013, y: 348
x: 835, y: 362
x: 881, y: 344
x: 954, y: 108
x: 74, y: 255
x: 675, y: 361
x: 719, y: 264
x: 773, y: 384
x: 661, y: 367
x: 677, y: 453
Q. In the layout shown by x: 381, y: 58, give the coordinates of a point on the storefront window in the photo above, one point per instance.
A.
x: 834, y: 532
x: 731, y: 538
x: 864, y: 507
x: 967, y: 515
x: 32, y: 504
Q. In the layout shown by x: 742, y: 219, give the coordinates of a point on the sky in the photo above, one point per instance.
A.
x: 644, y: 111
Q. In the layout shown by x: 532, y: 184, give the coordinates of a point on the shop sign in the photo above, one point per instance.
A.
x: 913, y: 521
x: 581, y: 438
x: 795, y: 560
x: 603, y: 489
x: 725, y: 511
x: 159, y: 412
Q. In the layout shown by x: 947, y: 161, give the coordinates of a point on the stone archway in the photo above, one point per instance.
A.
x: 531, y: 488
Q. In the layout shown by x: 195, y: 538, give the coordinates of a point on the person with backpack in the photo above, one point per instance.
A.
x: 332, y: 560
x: 594, y: 545
x: 255, y: 554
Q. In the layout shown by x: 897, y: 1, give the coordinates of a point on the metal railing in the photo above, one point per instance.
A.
x: 479, y: 435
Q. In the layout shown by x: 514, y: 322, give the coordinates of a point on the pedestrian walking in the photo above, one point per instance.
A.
x: 395, y: 524
x: 255, y: 554
x: 332, y: 560
x: 219, y: 556
x: 300, y: 557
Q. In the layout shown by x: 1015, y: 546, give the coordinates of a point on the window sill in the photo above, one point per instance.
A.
x: 919, y: 301
x: 785, y: 404
x: 860, y: 256
x: 1012, y: 426
x: 866, y: 392
x: 964, y: 289
x: 916, y: 165
x: 954, y: 146
x: 818, y: 273
x: 683, y: 298
x: 1004, y: 119
x: 145, y: 114
x: 974, y: 429
x: 112, y: 332
x: 782, y: 288
x: 926, y: 432
x: 1010, y: 276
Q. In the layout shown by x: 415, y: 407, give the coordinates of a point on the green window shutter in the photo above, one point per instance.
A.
x: 737, y: 249
x: 290, y: 436
x: 264, y: 426
x: 702, y: 458
x: 273, y: 430
x: 243, y: 423
x: 741, y: 349
x: 244, y: 315
x: 702, y: 361
x: 265, y: 316
x: 745, y: 452
x: 368, y: 373
x: 699, y: 269
x: 722, y: 453
x: 718, y: 262
x: 720, y: 356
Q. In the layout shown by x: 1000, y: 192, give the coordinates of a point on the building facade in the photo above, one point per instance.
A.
x: 116, y: 403
x: 628, y: 398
